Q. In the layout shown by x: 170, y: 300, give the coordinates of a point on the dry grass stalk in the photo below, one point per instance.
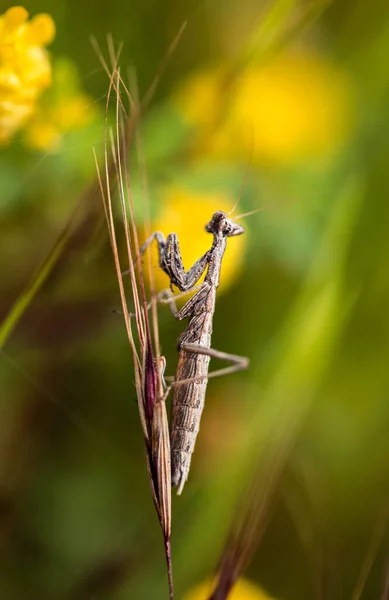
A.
x: 253, y: 511
x: 252, y: 516
x: 143, y: 339
x: 370, y: 556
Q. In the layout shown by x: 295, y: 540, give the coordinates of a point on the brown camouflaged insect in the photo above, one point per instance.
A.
x: 194, y: 344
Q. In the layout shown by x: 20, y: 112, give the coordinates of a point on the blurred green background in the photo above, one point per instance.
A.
x: 303, y: 88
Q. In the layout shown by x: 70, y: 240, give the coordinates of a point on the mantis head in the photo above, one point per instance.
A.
x: 221, y: 225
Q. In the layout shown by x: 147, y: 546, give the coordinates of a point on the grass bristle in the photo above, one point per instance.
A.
x: 142, y: 334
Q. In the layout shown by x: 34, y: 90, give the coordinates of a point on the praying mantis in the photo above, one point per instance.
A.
x: 194, y: 344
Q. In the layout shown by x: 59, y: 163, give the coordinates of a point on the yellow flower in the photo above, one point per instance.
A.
x: 43, y: 135
x: 199, y: 99
x: 12, y: 116
x: 186, y: 213
x: 243, y: 590
x: 46, y: 128
x: 64, y: 108
x: 41, y: 31
x: 25, y: 69
x: 294, y: 107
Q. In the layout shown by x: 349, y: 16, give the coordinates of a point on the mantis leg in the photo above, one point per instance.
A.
x: 170, y: 261
x: 239, y: 363
x: 167, y: 297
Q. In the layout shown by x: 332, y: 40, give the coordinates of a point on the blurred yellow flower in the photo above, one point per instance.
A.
x: 296, y: 106
x: 25, y: 73
x: 199, y: 99
x: 243, y: 590
x: 25, y: 70
x: 64, y: 108
x: 186, y: 213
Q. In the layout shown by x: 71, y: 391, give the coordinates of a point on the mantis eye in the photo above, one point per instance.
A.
x: 233, y: 229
